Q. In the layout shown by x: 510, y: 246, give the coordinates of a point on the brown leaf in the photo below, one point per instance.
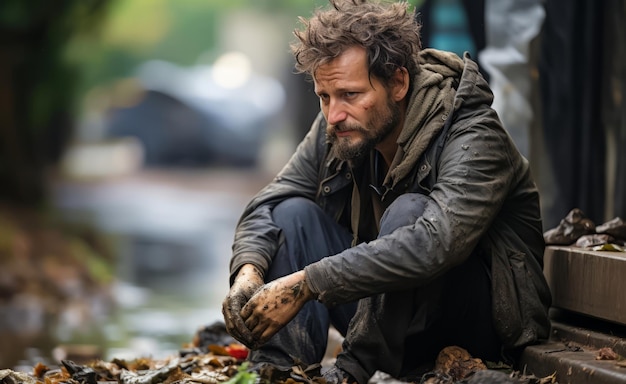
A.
x: 39, y: 370
x: 457, y: 363
x: 548, y: 379
x: 218, y: 350
x: 606, y: 353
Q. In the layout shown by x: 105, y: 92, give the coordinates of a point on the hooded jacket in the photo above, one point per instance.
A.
x: 481, y: 199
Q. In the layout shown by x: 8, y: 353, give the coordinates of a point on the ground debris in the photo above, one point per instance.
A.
x: 214, y: 357
x: 8, y: 376
x: 201, y: 368
x: 200, y: 361
x: 457, y: 363
x: 606, y: 353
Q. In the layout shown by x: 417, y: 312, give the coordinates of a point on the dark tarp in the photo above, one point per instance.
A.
x: 570, y: 67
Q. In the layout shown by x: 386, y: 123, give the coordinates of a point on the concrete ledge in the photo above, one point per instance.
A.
x: 587, y: 282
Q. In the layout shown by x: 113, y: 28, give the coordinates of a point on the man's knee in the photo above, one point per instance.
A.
x: 284, y: 213
x: 307, y: 234
x: 405, y: 210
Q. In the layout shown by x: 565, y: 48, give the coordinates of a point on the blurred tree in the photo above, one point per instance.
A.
x: 37, y: 89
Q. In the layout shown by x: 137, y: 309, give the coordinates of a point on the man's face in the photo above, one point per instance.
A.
x: 360, y: 113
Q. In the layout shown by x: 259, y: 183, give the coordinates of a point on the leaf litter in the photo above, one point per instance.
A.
x: 214, y: 357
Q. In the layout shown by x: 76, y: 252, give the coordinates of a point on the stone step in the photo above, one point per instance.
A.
x: 573, y: 354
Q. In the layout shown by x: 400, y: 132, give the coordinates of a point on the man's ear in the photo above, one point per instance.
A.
x: 400, y: 84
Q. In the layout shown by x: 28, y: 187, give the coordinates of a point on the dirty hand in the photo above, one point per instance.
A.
x: 275, y: 305
x: 247, y: 282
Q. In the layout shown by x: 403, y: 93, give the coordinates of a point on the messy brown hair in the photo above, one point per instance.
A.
x: 388, y: 32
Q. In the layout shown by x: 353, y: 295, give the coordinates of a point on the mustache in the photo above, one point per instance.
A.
x: 342, y: 127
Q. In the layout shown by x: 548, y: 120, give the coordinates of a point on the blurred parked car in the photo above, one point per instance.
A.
x: 202, y: 115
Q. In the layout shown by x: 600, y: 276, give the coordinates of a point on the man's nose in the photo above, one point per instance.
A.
x: 336, y: 113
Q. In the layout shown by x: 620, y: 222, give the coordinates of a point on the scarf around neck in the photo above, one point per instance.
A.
x: 429, y: 106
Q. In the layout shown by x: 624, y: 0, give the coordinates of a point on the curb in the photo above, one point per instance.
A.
x: 572, y: 353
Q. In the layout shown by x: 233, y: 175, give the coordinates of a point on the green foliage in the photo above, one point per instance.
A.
x: 98, y: 267
x: 243, y: 376
x: 179, y: 31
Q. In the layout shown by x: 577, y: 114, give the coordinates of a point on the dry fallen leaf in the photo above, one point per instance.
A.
x: 606, y: 353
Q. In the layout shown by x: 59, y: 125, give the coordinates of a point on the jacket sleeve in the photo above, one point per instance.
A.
x: 256, y: 235
x: 476, y: 171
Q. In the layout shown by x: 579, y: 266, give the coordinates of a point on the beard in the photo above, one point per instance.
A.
x: 382, y: 122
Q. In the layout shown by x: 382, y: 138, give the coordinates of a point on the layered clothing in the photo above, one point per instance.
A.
x: 481, y: 202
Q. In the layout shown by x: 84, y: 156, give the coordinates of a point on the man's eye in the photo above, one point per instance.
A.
x: 350, y: 95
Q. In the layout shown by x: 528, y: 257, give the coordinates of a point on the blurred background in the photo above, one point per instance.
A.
x: 133, y: 133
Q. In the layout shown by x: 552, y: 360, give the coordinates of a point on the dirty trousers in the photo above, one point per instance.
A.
x: 398, y: 333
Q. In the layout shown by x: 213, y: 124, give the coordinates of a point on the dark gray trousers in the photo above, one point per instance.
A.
x: 399, y: 333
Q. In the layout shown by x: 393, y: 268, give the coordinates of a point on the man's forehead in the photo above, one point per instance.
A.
x: 351, y: 65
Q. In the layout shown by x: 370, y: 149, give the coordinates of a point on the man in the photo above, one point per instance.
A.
x: 407, y: 197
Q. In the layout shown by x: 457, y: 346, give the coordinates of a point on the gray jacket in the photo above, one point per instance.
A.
x: 482, y: 199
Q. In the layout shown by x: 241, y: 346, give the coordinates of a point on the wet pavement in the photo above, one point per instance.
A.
x: 172, y: 231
